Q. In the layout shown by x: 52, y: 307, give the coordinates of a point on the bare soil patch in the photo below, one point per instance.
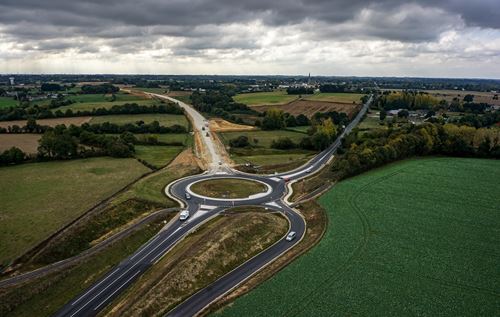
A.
x: 310, y: 107
x: 28, y: 143
x: 221, y: 125
x: 49, y: 122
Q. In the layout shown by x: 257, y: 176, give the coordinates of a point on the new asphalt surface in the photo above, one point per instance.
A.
x: 201, y: 209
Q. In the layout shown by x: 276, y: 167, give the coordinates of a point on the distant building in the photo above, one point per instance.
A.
x: 11, y: 79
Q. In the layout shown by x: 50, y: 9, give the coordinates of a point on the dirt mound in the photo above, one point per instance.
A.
x: 310, y: 107
x: 185, y: 158
x: 221, y: 125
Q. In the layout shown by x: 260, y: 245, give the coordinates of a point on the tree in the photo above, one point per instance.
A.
x: 290, y: 121
x: 403, y: 114
x: 241, y: 141
x: 128, y: 137
x: 302, y: 120
x: 12, y: 156
x: 468, y: 98
x: 50, y: 87
x: 273, y: 120
x: 57, y: 145
x: 383, y: 114
x: 283, y: 143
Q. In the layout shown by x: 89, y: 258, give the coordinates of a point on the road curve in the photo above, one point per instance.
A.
x: 102, y: 292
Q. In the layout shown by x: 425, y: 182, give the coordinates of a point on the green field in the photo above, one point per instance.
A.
x: 264, y: 138
x: 416, y: 238
x: 157, y: 155
x: 277, y: 97
x: 7, y: 102
x: 37, y: 199
x: 335, y: 97
x: 228, y: 188
x: 280, y: 157
x: 163, y: 119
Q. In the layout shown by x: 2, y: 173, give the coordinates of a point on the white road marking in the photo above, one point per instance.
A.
x: 90, y: 290
x: 128, y: 280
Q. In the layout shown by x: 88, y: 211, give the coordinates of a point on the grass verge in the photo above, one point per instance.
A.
x: 228, y: 188
x: 45, y: 296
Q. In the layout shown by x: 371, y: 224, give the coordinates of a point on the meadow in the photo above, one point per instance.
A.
x: 157, y: 155
x: 7, y: 102
x: 264, y: 138
x: 163, y: 119
x: 277, y: 97
x: 415, y: 238
x: 37, y: 199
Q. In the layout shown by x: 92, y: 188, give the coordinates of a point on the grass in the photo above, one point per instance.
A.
x: 7, y: 102
x: 151, y: 187
x: 108, y: 104
x: 228, y: 188
x: 208, y: 253
x: 157, y: 155
x: 335, y: 97
x: 277, y: 97
x: 39, y: 198
x: 261, y: 152
x: 45, y: 296
x: 271, y: 159
x: 264, y: 138
x: 419, y: 237
x: 163, y: 119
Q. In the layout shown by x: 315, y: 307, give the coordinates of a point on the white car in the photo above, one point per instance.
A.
x: 184, y: 215
x: 188, y: 196
x: 291, y: 236
x: 309, y: 170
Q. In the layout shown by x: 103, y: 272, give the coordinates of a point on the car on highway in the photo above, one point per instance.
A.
x: 206, y: 134
x: 291, y: 236
x: 286, y: 179
x: 184, y: 215
x: 309, y: 170
x: 188, y: 196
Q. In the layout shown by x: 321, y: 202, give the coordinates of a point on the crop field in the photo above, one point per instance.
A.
x: 49, y: 122
x: 335, y: 97
x: 157, y: 155
x: 7, y: 102
x: 277, y: 97
x: 28, y: 143
x: 415, y: 238
x: 37, y: 199
x: 163, y: 119
x: 310, y: 107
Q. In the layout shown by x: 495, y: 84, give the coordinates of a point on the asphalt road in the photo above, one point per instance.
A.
x: 101, y: 293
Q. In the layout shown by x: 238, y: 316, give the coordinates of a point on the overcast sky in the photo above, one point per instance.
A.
x: 427, y: 38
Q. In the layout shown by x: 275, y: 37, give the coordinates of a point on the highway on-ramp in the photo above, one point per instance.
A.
x: 201, y: 208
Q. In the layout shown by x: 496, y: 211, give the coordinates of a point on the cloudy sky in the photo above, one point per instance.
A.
x: 428, y: 38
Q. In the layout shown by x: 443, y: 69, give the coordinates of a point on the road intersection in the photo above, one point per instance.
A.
x: 202, y: 209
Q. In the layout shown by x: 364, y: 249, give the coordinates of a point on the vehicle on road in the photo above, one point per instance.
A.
x: 188, y: 196
x: 291, y: 236
x: 220, y: 162
x: 184, y: 215
x: 309, y: 170
x: 286, y: 179
x: 206, y: 134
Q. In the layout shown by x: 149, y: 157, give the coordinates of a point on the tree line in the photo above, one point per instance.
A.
x: 18, y: 113
x: 220, y: 103
x: 361, y: 152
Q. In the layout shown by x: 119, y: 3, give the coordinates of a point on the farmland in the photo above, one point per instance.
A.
x: 277, y: 97
x: 163, y: 119
x: 310, y: 107
x: 39, y: 198
x: 335, y: 97
x: 419, y: 237
x: 28, y: 143
x: 7, y: 102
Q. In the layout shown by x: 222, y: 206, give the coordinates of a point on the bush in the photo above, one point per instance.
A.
x: 284, y: 143
x: 241, y: 141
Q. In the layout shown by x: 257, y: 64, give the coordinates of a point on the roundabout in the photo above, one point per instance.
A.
x: 202, y: 197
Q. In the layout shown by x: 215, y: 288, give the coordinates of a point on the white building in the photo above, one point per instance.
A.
x: 11, y: 79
